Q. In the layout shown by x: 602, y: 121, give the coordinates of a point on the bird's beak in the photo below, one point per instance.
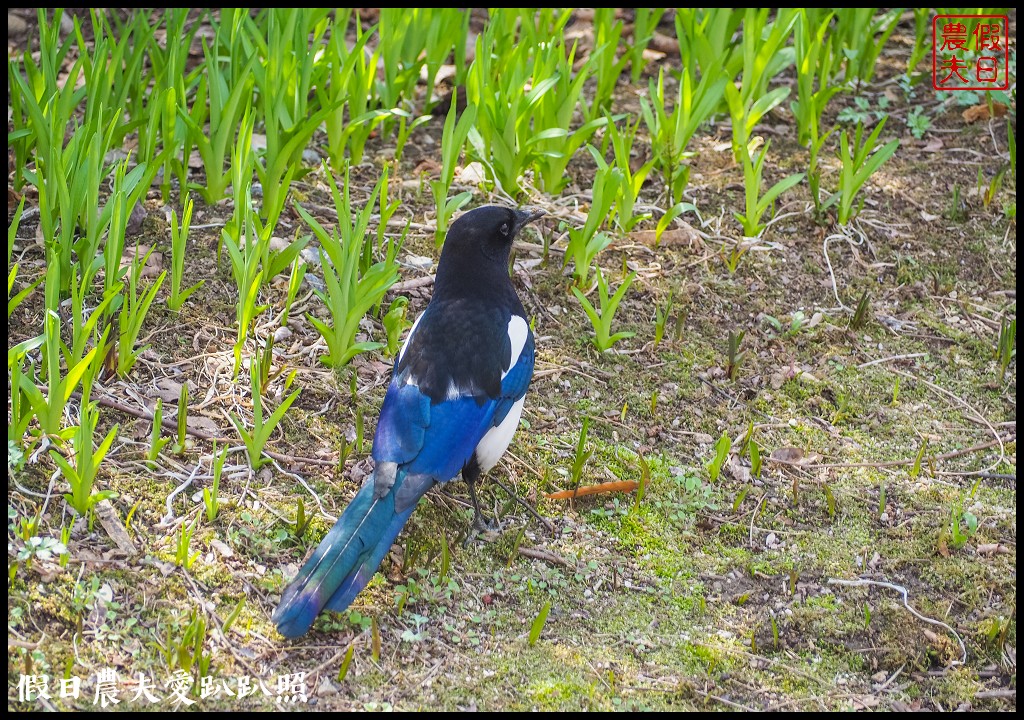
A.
x: 525, y: 217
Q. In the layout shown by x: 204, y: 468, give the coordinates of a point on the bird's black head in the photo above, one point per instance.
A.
x: 477, y: 246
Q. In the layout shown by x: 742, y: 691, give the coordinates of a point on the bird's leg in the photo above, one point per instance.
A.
x: 511, y: 493
x: 471, y: 473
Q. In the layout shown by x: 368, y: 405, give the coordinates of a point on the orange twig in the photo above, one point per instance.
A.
x: 608, y: 487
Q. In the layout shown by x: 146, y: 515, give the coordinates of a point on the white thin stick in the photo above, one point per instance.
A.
x: 903, y: 591
x: 831, y: 272
x: 879, y: 361
x: 168, y: 519
x: 310, y: 490
x: 960, y: 400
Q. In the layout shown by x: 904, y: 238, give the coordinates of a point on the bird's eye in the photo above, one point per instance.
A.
x: 504, y: 228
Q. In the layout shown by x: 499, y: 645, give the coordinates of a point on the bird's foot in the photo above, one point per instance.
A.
x: 482, y: 523
x: 482, y: 527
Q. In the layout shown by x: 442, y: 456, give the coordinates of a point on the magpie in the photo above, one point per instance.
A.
x: 456, y: 393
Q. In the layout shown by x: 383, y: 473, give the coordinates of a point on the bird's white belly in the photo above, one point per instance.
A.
x: 493, y: 445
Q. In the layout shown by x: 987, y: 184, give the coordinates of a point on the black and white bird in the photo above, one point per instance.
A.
x: 453, y: 404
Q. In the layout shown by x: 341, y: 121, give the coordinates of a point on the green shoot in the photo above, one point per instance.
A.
x: 302, y: 521
x: 661, y: 314
x: 735, y: 357
x: 182, y: 421
x: 581, y: 455
x: 862, y: 313
x: 133, y: 315
x: 233, y: 617
x: 1006, y: 345
x: 346, y: 662
x: 395, y: 323
x: 538, y: 623
x: 755, y: 458
x: 294, y: 283
x: 915, y: 469
x: 262, y: 428
x: 156, y: 443
x: 211, y: 495
x: 722, y: 448
x: 179, y: 240
x: 671, y: 132
x: 446, y: 559
x: 183, y: 556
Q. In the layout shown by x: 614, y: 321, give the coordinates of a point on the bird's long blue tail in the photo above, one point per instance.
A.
x: 348, y: 556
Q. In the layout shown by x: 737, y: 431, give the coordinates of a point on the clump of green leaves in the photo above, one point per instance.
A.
x: 48, y: 406
x: 253, y: 262
x: 861, y: 36
x: 352, y: 285
x: 133, y: 315
x: 859, y: 162
x: 918, y: 122
x: 179, y: 239
x: 286, y: 77
x: 762, y: 42
x: 602, y: 320
x: 671, y: 131
x: 585, y: 243
x: 756, y: 204
x: 815, y: 60
x: 222, y: 101
x: 963, y: 524
x: 506, y: 86
x: 630, y: 181
x: 645, y: 22
x: 81, y: 476
x: 453, y: 138
x: 556, y: 111
x: 262, y: 428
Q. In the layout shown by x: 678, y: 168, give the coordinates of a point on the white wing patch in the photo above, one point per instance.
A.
x: 493, y: 445
x: 408, y: 337
x: 518, y: 331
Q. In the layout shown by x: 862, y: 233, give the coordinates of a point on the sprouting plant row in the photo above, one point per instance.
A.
x: 283, y: 74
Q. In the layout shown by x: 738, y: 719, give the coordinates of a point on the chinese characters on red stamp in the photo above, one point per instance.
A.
x: 970, y: 52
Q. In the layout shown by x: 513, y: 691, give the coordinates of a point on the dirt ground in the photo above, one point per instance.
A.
x: 775, y: 592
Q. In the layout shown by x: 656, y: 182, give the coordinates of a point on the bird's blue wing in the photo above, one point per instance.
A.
x: 437, y: 439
